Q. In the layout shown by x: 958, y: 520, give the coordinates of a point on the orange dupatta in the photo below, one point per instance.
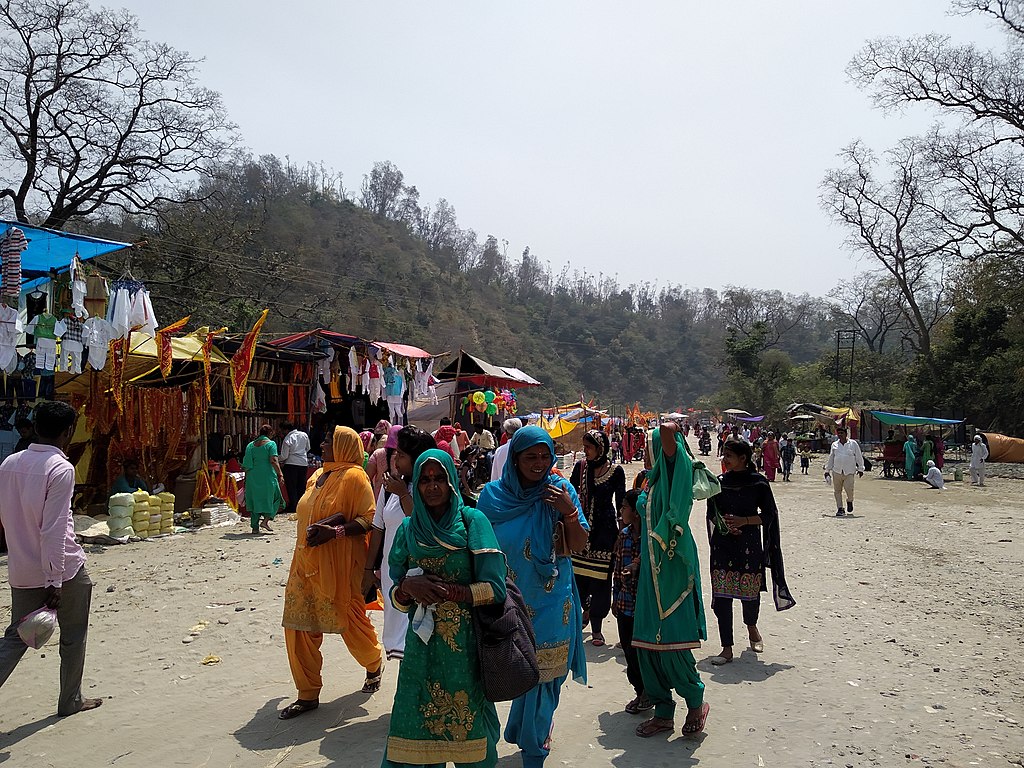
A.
x: 324, y: 580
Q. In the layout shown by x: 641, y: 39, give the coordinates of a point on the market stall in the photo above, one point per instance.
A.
x: 482, y: 391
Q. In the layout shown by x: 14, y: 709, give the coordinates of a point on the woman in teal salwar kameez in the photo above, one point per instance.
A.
x: 668, y: 619
x: 440, y: 714
x: 528, y: 507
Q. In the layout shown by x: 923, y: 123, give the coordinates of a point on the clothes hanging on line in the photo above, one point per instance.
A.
x: 97, y: 333
x: 10, y: 332
x: 11, y: 248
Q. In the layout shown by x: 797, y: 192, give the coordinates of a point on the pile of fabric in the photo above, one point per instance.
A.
x: 141, y: 516
x: 121, y: 508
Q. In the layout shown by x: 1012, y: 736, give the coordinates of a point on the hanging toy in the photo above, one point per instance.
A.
x: 478, y: 398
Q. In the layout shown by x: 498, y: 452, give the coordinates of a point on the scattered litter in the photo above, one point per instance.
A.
x: 211, y: 659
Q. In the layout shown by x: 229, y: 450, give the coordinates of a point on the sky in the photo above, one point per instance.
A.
x: 673, y: 141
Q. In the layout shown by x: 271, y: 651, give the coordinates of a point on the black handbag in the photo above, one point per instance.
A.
x: 505, y: 643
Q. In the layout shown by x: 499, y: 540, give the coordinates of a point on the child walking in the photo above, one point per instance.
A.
x: 625, y: 567
x: 805, y: 461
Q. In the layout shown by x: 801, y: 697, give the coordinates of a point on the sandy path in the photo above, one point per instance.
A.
x: 906, y: 641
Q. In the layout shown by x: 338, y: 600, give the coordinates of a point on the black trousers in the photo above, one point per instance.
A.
x: 596, y: 597
x: 722, y: 606
x: 632, y: 661
x: 294, y: 484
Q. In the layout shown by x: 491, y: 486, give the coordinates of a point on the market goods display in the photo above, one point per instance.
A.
x: 166, y: 512
x: 121, y: 508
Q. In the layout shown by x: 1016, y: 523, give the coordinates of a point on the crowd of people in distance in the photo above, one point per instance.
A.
x: 433, y: 528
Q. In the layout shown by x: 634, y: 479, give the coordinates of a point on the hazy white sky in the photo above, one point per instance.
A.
x: 677, y: 141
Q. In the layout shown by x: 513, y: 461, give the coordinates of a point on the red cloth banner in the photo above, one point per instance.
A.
x: 164, y: 350
x: 241, y: 363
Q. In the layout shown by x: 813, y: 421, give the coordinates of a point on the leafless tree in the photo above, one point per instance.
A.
x: 895, y: 224
x: 977, y: 155
x: 93, y: 116
x: 871, y: 303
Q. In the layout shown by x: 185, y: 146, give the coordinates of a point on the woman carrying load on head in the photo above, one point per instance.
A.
x: 323, y: 594
x: 669, y: 615
x: 444, y: 561
x: 538, y: 522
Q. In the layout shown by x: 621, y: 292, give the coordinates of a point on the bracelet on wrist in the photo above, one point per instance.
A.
x: 339, y: 532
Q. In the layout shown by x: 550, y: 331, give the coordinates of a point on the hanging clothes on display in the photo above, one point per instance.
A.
x: 131, y: 308
x: 71, y: 345
x: 323, y: 366
x: 35, y: 305
x: 374, y: 373
x: 394, y: 388
x: 46, y: 329
x: 10, y: 332
x: 353, y: 369
x: 97, y: 335
x: 78, y: 288
x: 97, y: 292
x: 11, y: 248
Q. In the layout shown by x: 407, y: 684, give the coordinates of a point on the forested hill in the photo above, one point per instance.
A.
x: 293, y: 239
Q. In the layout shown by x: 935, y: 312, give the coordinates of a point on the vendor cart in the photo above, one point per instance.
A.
x: 893, y: 460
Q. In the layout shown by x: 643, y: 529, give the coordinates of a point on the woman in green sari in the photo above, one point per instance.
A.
x: 263, y: 481
x: 669, y: 616
x: 444, y: 561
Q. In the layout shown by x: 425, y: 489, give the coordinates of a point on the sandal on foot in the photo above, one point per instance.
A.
x: 640, y: 704
x: 372, y: 684
x: 298, y: 707
x: 654, y: 726
x: 598, y: 640
x: 693, y: 728
x: 720, y: 661
x: 757, y: 646
x: 265, y: 526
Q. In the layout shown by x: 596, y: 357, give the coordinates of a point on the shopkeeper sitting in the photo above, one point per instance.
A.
x: 129, y: 481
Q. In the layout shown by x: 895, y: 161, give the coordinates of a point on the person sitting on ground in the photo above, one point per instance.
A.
x: 129, y: 481
x: 933, y: 479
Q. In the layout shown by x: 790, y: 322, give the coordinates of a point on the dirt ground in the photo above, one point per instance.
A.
x: 904, y: 649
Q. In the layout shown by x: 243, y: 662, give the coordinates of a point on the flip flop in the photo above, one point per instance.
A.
x: 640, y: 704
x: 694, y: 729
x: 297, y: 708
x: 757, y: 646
x: 651, y: 727
x: 372, y: 684
x: 720, y: 661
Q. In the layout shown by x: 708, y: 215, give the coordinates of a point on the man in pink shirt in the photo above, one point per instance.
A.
x: 46, y: 566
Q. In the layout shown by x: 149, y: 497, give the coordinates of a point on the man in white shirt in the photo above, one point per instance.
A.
x: 510, y: 427
x: 294, y: 461
x: 934, y: 477
x: 845, y: 464
x: 979, y: 453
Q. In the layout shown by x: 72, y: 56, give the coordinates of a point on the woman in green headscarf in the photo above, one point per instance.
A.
x: 669, y: 616
x: 444, y: 561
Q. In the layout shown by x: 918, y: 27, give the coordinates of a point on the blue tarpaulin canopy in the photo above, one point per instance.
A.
x: 51, y: 249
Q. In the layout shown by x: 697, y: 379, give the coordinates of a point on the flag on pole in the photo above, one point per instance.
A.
x: 118, y: 357
x: 163, y: 344
x: 207, y: 352
x: 241, y: 363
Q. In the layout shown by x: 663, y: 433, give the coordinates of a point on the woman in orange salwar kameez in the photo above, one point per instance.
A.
x: 323, y: 594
